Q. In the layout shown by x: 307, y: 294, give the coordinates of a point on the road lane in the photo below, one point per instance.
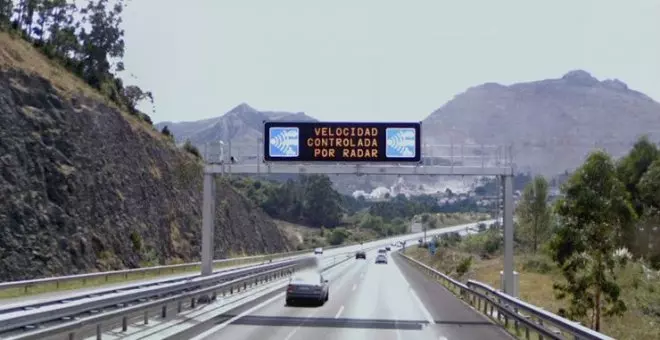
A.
x: 454, y: 319
x: 381, y: 306
x: 275, y: 320
x: 367, y: 301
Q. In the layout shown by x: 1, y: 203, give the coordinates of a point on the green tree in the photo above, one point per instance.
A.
x: 534, y: 213
x: 593, y: 211
x: 322, y: 203
x: 632, y: 167
x: 630, y: 170
x: 103, y: 41
x: 648, y: 237
x: 337, y: 236
x: 374, y: 223
x: 649, y: 187
x: 6, y: 9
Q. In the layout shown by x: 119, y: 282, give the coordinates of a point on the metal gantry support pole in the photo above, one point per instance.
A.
x: 508, y: 234
x: 208, y: 228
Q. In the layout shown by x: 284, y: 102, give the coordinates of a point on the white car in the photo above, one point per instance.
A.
x: 381, y: 259
x: 318, y: 251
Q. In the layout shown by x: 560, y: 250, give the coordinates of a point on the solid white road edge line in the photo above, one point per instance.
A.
x: 422, y: 307
x: 420, y: 304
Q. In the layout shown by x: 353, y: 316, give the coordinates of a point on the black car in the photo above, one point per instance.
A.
x: 388, y: 248
x: 360, y: 255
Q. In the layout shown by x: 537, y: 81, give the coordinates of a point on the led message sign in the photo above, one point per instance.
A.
x: 341, y: 142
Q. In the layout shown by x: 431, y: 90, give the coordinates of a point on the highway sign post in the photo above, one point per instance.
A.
x: 357, y: 149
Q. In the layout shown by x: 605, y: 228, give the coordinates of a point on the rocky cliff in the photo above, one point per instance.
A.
x: 85, y: 186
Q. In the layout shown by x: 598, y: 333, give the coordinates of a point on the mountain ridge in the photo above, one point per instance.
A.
x: 551, y: 123
x: 561, y: 119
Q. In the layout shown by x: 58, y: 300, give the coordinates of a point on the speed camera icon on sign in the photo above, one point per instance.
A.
x: 284, y: 142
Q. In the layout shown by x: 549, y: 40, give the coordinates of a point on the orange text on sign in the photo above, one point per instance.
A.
x: 346, y: 142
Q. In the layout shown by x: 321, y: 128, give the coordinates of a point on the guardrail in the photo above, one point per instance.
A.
x: 42, y: 315
x: 72, y: 328
x: 510, y: 311
x: 110, y: 276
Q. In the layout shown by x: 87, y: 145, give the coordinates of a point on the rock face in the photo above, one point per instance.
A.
x: 552, y: 123
x: 86, y: 187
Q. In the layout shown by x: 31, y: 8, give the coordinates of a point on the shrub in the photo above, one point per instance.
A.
x: 192, y: 149
x: 137, y: 241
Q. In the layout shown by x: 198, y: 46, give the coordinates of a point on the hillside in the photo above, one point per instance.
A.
x: 86, y: 186
x: 552, y: 123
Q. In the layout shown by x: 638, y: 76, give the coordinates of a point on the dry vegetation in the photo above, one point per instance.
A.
x: 640, y: 288
x: 303, y: 237
x: 452, y: 219
x: 16, y: 53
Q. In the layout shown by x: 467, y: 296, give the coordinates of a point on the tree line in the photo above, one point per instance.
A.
x: 87, y: 40
x: 608, y: 213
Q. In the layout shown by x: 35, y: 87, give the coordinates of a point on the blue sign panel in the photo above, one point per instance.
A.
x: 401, y: 142
x: 283, y: 142
x: 342, y: 142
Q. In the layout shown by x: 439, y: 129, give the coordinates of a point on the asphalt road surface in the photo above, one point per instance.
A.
x: 367, y: 301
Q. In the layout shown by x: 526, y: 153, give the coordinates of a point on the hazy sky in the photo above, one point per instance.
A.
x: 376, y: 60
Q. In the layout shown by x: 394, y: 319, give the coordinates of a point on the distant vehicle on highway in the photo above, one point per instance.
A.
x: 307, y: 286
x: 318, y: 251
x: 381, y: 259
x: 382, y: 251
x: 361, y: 255
x: 388, y: 248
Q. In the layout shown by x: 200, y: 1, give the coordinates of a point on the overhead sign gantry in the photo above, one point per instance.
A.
x: 348, y: 148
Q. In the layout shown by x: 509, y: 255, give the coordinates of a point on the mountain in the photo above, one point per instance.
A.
x: 86, y: 186
x: 552, y: 124
x: 243, y: 125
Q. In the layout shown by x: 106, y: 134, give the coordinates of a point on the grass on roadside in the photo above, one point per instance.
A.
x: 74, y: 284
x: 640, y: 290
x: 444, y: 220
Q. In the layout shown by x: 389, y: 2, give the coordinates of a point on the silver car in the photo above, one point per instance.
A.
x: 306, y: 286
x: 381, y: 259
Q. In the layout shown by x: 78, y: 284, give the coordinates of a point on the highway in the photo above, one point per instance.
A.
x: 367, y: 301
x: 92, y: 290
x: 363, y: 275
